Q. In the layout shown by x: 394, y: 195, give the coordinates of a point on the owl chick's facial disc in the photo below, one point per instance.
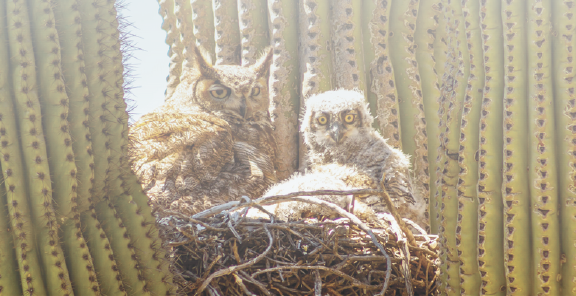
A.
x: 337, y: 126
x: 335, y: 117
x: 239, y: 90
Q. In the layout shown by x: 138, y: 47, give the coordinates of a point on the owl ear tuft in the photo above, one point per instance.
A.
x: 262, y: 66
x: 202, y: 62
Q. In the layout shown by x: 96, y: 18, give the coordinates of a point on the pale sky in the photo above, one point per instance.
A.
x: 150, y: 63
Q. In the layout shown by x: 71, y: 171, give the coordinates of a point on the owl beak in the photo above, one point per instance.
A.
x: 336, y: 132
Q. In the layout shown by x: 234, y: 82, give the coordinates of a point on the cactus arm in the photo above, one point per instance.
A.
x: 283, y: 83
x: 227, y: 32
x: 564, y: 43
x: 542, y: 164
x: 253, y: 21
x: 383, y: 95
x: 490, y: 206
x: 425, y: 36
x: 515, y: 187
x: 34, y: 148
x: 467, y: 221
x: 346, y: 35
x: 203, y: 22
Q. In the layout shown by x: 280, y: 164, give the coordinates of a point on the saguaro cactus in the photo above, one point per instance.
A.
x: 480, y: 92
x: 75, y: 221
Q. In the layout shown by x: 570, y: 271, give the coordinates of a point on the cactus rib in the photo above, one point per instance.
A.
x: 425, y: 36
x: 515, y: 189
x: 410, y: 96
x: 9, y: 280
x: 173, y: 40
x: 564, y: 43
x: 315, y: 57
x: 203, y: 22
x: 467, y: 221
x: 117, y: 118
x: 490, y: 206
x: 30, y: 276
x: 452, y: 95
x: 253, y: 21
x: 283, y: 84
x: 543, y: 178
x: 383, y: 95
x: 227, y: 32
x: 346, y: 37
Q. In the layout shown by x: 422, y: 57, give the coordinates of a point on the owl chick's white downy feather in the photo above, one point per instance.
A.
x: 328, y: 177
x: 337, y: 128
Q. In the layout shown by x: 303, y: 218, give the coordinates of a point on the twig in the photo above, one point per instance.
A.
x: 236, y: 204
x: 312, y: 200
x: 232, y: 269
x: 241, y: 284
x: 248, y: 278
x: 317, y: 284
x: 392, y: 209
x: 354, y: 281
x: 417, y: 227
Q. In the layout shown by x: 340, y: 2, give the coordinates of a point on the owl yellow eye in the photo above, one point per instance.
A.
x: 220, y: 92
x: 349, y: 118
x: 255, y: 91
x: 322, y: 120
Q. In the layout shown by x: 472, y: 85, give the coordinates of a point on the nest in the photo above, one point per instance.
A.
x: 220, y: 252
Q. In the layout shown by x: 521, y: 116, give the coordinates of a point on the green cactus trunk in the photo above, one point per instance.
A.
x: 479, y: 93
x: 63, y: 134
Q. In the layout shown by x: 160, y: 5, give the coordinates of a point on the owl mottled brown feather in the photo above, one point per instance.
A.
x: 211, y: 141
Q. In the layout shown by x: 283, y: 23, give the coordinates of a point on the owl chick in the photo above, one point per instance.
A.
x: 211, y: 141
x: 323, y: 177
x: 337, y: 128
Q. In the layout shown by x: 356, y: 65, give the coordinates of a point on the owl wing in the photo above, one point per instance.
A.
x: 399, y: 187
x: 171, y: 146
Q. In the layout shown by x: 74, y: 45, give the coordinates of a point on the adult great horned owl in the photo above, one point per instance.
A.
x: 337, y: 128
x: 211, y: 141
